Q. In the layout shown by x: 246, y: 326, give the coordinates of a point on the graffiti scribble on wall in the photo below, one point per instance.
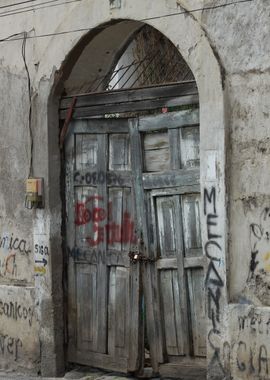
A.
x: 10, y: 247
x: 214, y: 282
x: 16, y: 311
x: 103, y: 227
x: 10, y: 346
x: 259, y: 267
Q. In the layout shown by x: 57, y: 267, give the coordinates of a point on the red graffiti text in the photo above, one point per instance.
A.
x: 104, y: 228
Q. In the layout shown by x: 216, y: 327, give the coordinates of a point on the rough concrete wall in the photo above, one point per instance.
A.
x: 244, y: 54
x: 19, y: 330
x: 239, y: 36
x: 19, y: 342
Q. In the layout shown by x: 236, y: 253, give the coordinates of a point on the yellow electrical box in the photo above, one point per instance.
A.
x: 34, y: 197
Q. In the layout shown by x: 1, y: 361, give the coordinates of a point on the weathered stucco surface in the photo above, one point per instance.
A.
x: 228, y: 51
x: 18, y: 323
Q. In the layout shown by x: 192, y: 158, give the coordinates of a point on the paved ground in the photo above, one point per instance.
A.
x: 72, y: 375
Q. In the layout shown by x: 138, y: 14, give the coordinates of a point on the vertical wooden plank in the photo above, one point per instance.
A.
x: 171, y: 245
x: 180, y: 320
x: 112, y: 312
x: 136, y: 322
x: 191, y: 221
x: 102, y: 269
x: 85, y: 202
x: 190, y: 147
x: 156, y: 151
x: 169, y: 315
x: 122, y: 310
x: 181, y: 272
x: 149, y: 271
x: 166, y: 226
x: 87, y: 307
x: 86, y: 151
x: 70, y: 241
x: 198, y: 312
x: 128, y: 221
x: 174, y: 139
x: 119, y: 156
x: 136, y: 331
x: 119, y: 321
x: 116, y: 214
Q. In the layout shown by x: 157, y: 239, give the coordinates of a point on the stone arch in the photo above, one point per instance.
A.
x: 196, y: 49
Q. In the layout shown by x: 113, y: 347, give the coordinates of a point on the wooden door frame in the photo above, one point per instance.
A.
x: 130, y: 100
x: 125, y: 101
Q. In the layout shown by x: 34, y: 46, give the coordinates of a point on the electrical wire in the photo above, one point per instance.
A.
x: 9, y: 39
x: 198, y: 9
x: 30, y: 173
x: 35, y: 7
x: 32, y: 8
x: 20, y: 3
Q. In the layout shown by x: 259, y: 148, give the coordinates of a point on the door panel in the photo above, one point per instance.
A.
x: 173, y: 319
x: 135, y: 187
x: 103, y: 288
x: 166, y: 165
x: 156, y: 152
x: 119, y: 158
x: 171, y: 281
x: 87, y: 307
x: 197, y: 310
x: 118, y: 311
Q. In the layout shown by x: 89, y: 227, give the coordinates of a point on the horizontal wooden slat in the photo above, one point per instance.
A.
x: 112, y: 258
x: 192, y: 189
x: 167, y: 263
x: 188, y: 372
x: 94, y: 178
x: 195, y: 262
x: 170, y: 179
x: 170, y: 120
x: 189, y: 262
x: 194, y: 252
x: 143, y: 105
x: 131, y: 95
x: 98, y: 360
x: 101, y: 126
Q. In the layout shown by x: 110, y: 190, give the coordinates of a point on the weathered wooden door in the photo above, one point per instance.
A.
x: 132, y: 189
x: 166, y: 161
x: 103, y: 288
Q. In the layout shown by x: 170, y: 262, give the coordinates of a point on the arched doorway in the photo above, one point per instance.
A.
x: 135, y: 260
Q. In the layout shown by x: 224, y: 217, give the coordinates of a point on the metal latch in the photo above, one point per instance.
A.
x: 136, y: 257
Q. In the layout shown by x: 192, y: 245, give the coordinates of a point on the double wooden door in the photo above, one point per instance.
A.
x: 134, y: 243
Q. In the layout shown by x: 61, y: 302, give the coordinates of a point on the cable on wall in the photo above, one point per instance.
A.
x: 29, y: 87
x: 14, y: 5
x: 34, y: 7
x: 141, y: 20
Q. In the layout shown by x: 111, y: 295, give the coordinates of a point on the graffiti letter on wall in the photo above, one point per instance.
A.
x: 214, y: 282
